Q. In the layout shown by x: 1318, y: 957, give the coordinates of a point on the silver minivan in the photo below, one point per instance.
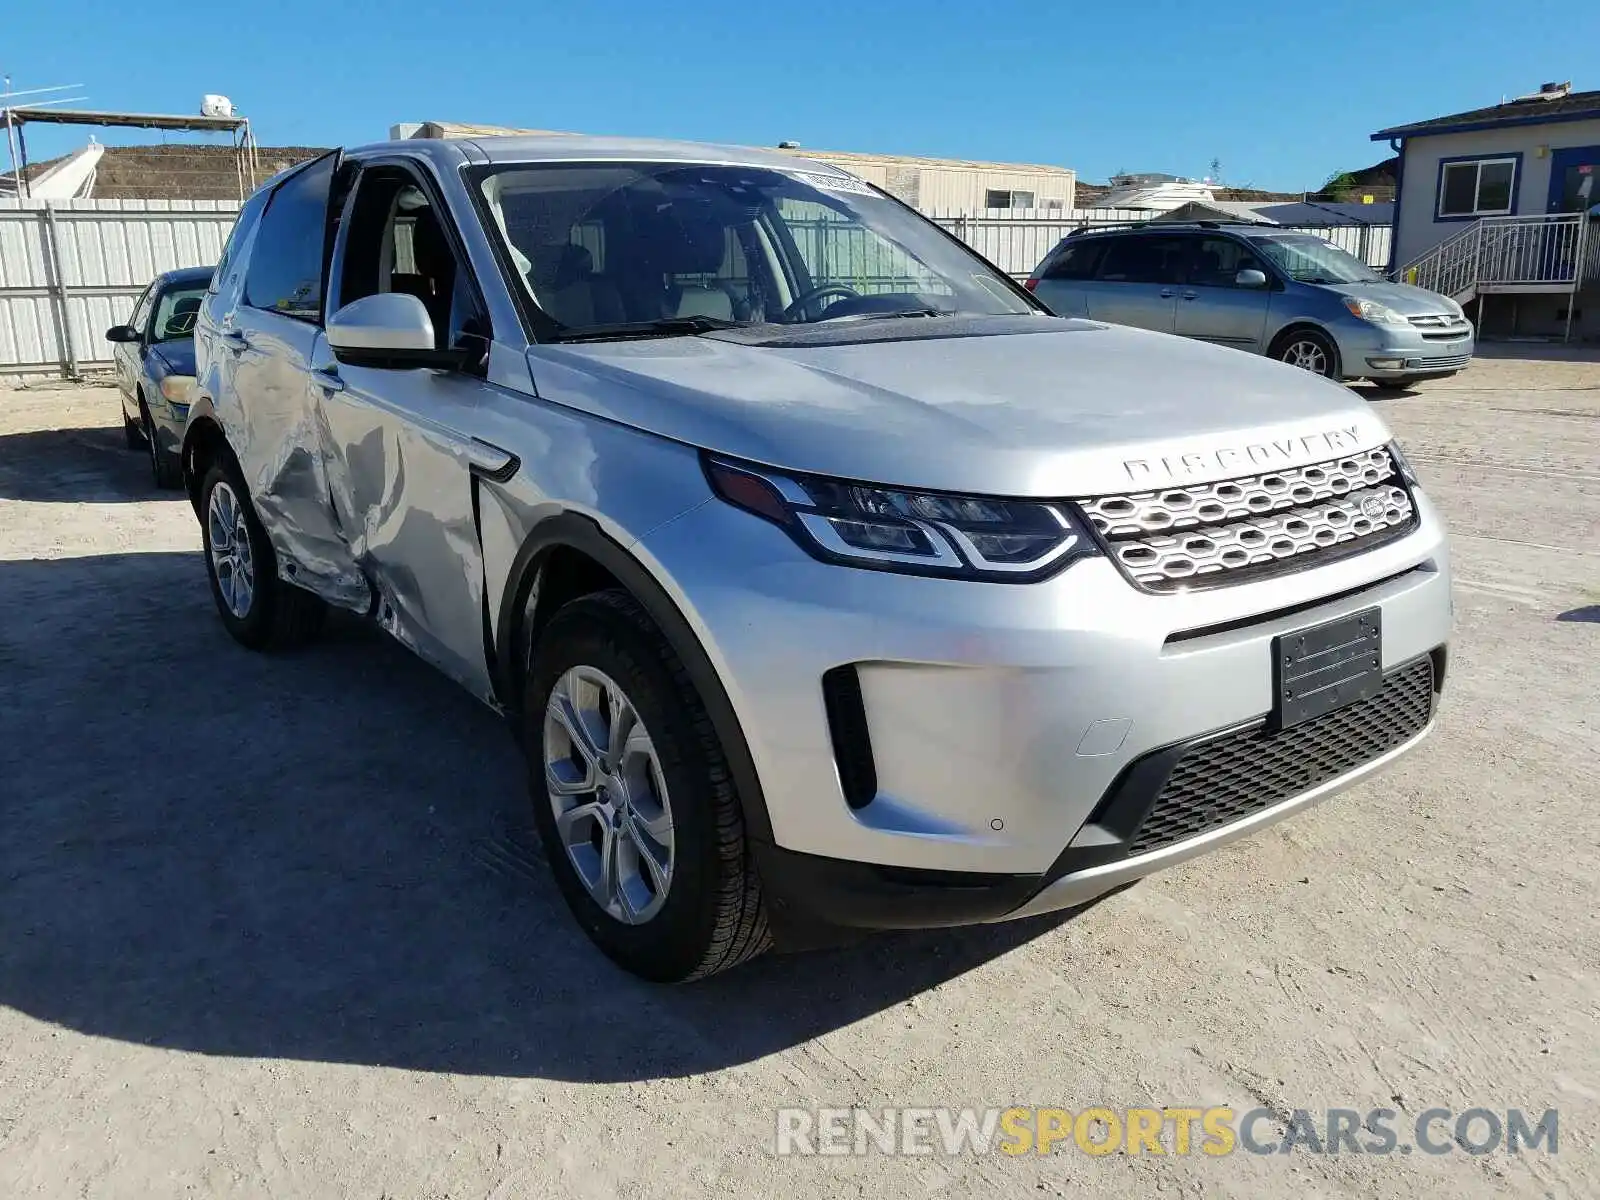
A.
x: 827, y: 581
x: 1286, y: 294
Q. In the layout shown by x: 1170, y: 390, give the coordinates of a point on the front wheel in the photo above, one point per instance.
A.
x: 165, y: 469
x: 260, y: 610
x: 633, y: 799
x: 1308, y: 350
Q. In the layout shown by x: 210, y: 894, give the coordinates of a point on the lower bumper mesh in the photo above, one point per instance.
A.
x: 1234, y: 776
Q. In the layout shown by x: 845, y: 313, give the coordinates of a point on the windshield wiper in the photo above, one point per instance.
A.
x: 894, y: 315
x: 663, y: 327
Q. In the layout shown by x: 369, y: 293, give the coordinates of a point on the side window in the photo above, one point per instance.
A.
x: 1078, y: 260
x: 140, y: 319
x: 396, y: 242
x: 248, y: 216
x: 285, y: 273
x: 1217, y: 260
x: 1143, y: 259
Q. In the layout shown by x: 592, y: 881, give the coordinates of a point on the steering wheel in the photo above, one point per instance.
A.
x: 798, y: 308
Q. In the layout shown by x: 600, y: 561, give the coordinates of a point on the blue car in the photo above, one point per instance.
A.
x: 154, y: 357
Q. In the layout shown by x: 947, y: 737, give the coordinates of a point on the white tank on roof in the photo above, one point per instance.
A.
x: 215, y: 106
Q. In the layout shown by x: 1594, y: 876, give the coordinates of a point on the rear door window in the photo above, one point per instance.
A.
x: 1143, y: 259
x: 287, y: 261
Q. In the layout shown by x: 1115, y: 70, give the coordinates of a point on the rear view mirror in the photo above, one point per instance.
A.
x: 390, y: 329
x: 1250, y: 278
x: 122, y: 333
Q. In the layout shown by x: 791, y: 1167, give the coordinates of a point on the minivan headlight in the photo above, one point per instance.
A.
x: 894, y: 529
x: 1371, y: 310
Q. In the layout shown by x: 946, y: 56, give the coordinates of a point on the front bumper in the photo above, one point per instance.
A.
x: 1368, y: 351
x: 999, y: 717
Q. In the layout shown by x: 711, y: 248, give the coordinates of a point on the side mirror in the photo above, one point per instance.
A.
x: 390, y: 329
x: 1250, y: 278
x: 122, y: 333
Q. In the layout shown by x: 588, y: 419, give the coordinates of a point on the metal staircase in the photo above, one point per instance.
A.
x: 1555, y: 254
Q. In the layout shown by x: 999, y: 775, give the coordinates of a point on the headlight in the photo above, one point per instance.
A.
x: 176, y: 388
x: 1403, y: 465
x: 1371, y: 310
x: 922, y: 533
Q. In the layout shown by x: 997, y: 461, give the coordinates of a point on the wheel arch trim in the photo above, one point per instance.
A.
x: 515, y: 624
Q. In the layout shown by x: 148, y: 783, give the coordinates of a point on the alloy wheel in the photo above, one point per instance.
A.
x: 612, y: 811
x: 1307, y: 355
x: 231, y: 556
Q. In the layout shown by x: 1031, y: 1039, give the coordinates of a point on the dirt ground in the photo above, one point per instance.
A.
x: 275, y: 927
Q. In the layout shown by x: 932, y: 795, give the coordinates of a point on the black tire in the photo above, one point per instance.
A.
x: 279, y: 616
x: 713, y: 917
x: 1289, y: 348
x: 132, y: 434
x: 165, y: 468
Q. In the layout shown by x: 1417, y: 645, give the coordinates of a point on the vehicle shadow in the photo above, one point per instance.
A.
x: 75, y: 464
x: 325, y: 856
x: 1589, y: 614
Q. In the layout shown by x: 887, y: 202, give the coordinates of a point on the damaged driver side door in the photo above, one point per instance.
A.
x: 402, y: 460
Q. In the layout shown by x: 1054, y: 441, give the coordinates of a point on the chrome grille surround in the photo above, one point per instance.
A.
x: 1221, y: 533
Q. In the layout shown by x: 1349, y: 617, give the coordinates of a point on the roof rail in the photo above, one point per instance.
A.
x: 1160, y: 224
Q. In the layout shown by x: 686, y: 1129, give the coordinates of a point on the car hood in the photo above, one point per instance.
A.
x: 1082, y: 410
x: 173, y: 358
x: 1406, y: 300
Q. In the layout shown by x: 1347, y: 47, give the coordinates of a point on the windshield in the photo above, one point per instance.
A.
x: 175, y: 313
x: 1309, y: 259
x: 637, y: 248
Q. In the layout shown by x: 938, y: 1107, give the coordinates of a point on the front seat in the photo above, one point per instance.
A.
x: 434, y: 280
x: 692, y: 244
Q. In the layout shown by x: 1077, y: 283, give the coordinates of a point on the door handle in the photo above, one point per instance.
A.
x: 1191, y: 295
x: 328, y: 379
x: 1167, y: 293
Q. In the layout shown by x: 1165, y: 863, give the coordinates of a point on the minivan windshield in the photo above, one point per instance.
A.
x: 1308, y: 259
x: 659, y: 249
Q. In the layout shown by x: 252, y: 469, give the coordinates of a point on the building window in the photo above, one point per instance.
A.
x: 1477, y: 188
x: 1007, y: 199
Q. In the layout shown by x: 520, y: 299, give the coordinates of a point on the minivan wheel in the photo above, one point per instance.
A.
x: 633, y: 799
x: 258, y: 609
x: 1310, y: 351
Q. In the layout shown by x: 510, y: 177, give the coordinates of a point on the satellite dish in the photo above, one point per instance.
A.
x: 216, y: 106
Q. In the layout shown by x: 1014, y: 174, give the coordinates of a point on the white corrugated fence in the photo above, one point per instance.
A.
x: 70, y: 269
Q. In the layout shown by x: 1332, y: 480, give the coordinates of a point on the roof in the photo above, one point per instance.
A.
x: 82, y: 116
x: 178, y: 170
x: 187, y: 275
x: 1528, y: 110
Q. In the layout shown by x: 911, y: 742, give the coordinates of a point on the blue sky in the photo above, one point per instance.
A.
x: 1281, y: 94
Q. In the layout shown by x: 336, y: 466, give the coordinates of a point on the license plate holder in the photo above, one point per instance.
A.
x: 1327, y: 666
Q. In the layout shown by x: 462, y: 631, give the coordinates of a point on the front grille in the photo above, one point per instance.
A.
x: 1441, y: 327
x: 1234, y: 776
x: 1227, y: 532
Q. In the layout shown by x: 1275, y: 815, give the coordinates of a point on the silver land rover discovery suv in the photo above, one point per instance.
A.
x: 828, y: 581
